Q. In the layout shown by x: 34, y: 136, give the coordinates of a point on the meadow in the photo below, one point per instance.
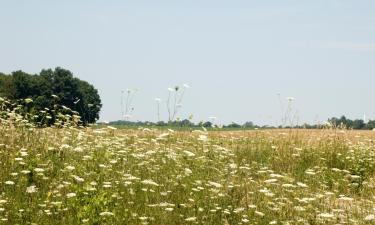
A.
x: 149, y: 176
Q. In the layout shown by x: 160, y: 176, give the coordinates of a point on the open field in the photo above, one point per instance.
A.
x: 108, y: 176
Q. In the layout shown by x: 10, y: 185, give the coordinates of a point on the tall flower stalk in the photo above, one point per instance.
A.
x: 176, y: 95
x: 127, y: 108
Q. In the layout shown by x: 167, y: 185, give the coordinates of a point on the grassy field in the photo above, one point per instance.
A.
x: 144, y: 176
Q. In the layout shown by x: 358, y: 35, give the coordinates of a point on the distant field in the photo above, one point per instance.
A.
x: 148, y: 176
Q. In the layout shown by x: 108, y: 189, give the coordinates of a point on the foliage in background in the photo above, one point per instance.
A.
x: 354, y: 124
x: 50, y: 88
x: 341, y: 123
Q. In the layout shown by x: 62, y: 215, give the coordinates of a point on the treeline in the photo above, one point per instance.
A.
x: 357, y: 124
x: 42, y: 94
x: 341, y: 122
x: 184, y: 123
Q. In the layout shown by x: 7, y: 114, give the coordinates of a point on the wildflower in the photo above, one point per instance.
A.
x: 273, y: 175
x: 347, y: 199
x: 149, y: 182
x: 214, y: 184
x: 370, y: 217
x: 188, y: 171
x: 25, y: 171
x: 106, y: 214
x: 203, y: 138
x: 188, y: 153
x: 299, y: 208
x: 252, y: 206
x: 310, y: 172
x: 238, y: 210
x: 191, y: 219
x: 31, y: 189
x: 290, y: 99
x: 71, y: 195
x: 28, y: 100
x: 78, y: 179
x: 302, y: 185
x: 9, y: 182
x: 259, y: 213
x: 78, y: 149
x: 107, y: 184
x: 270, y: 181
x: 39, y: 170
x: 326, y: 215
x: 244, y: 220
x: 70, y: 168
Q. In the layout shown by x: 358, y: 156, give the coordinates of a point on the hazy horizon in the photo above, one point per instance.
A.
x: 236, y: 56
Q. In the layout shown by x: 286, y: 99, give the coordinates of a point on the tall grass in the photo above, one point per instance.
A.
x: 150, y: 176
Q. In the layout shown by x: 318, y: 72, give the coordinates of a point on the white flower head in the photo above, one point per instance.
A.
x: 28, y: 100
x: 31, y: 189
x: 71, y: 195
x: 106, y: 214
x: 9, y: 182
x: 290, y: 99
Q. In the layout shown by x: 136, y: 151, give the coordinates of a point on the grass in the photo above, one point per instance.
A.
x: 150, y: 176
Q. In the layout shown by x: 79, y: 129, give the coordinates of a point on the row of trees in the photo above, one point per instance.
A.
x: 341, y: 122
x: 185, y: 123
x: 352, y: 124
x: 49, y: 89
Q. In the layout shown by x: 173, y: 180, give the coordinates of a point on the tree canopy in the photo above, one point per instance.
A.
x: 50, y: 88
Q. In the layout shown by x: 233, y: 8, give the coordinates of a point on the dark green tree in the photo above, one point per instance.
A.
x: 51, y: 89
x: 358, y: 124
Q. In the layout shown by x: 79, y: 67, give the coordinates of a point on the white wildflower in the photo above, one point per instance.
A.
x: 106, y: 214
x: 150, y: 182
x: 191, y: 219
x: 9, y: 182
x: 31, y: 189
x: 71, y: 195
x: 214, y: 184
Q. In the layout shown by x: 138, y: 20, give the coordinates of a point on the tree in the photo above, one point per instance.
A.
x: 233, y: 125
x: 370, y: 125
x: 52, y: 88
x: 89, y: 106
x: 248, y: 125
x: 358, y: 124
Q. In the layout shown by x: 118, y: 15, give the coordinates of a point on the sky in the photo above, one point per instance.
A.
x: 237, y: 56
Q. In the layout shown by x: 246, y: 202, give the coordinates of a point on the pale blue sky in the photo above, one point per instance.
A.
x: 235, y: 55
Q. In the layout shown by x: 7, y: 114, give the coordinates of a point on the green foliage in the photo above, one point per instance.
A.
x: 348, y: 123
x: 51, y: 88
